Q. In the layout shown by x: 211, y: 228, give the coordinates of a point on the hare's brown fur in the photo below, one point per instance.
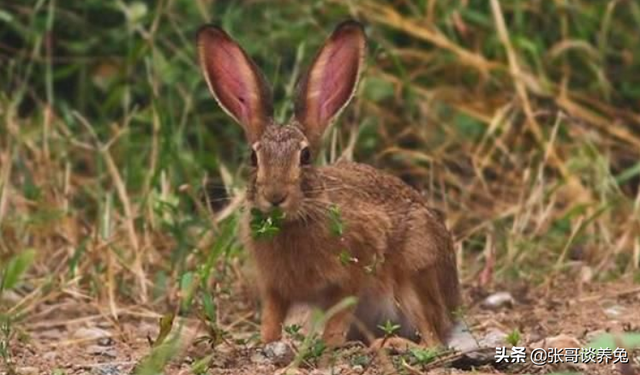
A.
x: 400, y: 251
x: 393, y: 253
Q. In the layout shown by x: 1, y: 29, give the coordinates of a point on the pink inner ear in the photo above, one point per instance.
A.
x: 338, y: 79
x: 228, y: 79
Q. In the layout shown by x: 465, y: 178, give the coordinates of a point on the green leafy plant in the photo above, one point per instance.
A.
x: 12, y: 272
x: 165, y: 325
x: 346, y: 258
x: 389, y: 328
x: 15, y: 268
x: 315, y: 350
x: 336, y: 224
x: 514, y: 337
x: 160, y: 355
x: 361, y: 360
x: 200, y: 366
x: 293, y: 331
x: 423, y: 356
x: 6, y: 335
x: 630, y: 340
x: 266, y: 225
x: 163, y: 348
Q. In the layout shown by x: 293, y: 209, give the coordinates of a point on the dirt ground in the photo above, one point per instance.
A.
x: 70, y: 337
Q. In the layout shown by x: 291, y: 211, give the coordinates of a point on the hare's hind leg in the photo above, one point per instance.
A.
x: 433, y: 303
x: 413, y: 306
x: 428, y: 249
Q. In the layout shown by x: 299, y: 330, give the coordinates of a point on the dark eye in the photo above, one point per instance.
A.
x: 305, y: 156
x: 254, y: 158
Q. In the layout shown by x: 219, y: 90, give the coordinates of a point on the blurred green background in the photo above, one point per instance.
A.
x: 519, y: 119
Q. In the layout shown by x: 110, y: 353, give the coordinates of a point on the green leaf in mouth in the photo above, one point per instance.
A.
x: 266, y: 225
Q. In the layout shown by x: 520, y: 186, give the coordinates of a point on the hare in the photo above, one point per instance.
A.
x: 391, y: 251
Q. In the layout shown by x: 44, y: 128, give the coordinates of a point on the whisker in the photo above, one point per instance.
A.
x: 337, y: 188
x: 220, y: 199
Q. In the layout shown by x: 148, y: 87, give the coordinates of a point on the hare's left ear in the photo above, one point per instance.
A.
x: 331, y: 81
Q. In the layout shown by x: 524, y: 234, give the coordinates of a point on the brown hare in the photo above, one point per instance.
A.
x: 400, y: 263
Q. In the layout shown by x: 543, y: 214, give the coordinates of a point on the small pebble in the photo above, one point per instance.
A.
x: 279, y: 353
x: 10, y: 297
x: 105, y: 341
x: 492, y: 338
x: 101, y: 350
x: 91, y: 333
x: 614, y: 311
x: 462, y: 339
x: 498, y: 300
x: 561, y: 341
x: 106, y: 369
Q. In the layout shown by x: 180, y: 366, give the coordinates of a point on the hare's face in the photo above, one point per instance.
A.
x: 279, y: 161
x: 281, y: 155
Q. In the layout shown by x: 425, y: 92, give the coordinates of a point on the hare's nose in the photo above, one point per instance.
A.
x: 276, y: 199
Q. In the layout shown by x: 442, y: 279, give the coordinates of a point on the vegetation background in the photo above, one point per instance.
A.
x: 120, y: 178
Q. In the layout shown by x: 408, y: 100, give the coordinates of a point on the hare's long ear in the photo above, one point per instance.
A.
x: 235, y: 81
x: 331, y: 81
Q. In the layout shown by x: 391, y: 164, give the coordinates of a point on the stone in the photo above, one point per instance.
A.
x: 614, y: 312
x: 561, y: 341
x: 476, y: 350
x: 279, y: 353
x: 101, y: 351
x: 105, y: 341
x: 91, y: 333
x: 106, y: 369
x: 461, y: 338
x: 498, y: 300
x: 492, y: 338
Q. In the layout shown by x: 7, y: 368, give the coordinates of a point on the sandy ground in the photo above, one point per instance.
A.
x: 69, y: 337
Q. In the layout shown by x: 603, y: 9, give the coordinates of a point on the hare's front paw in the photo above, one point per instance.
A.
x: 274, y: 311
x: 270, y: 333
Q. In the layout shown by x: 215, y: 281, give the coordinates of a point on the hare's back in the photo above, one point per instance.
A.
x: 354, y: 182
x: 416, y: 230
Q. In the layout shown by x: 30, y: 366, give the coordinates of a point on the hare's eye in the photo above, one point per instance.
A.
x: 254, y: 158
x: 305, y: 156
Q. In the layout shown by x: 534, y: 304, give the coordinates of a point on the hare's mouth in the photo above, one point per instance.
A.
x: 287, y: 204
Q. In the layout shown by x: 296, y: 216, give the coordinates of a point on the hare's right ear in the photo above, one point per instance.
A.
x: 235, y: 81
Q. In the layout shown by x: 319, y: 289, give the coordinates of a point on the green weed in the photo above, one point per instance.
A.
x: 266, y: 226
x: 514, y: 337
